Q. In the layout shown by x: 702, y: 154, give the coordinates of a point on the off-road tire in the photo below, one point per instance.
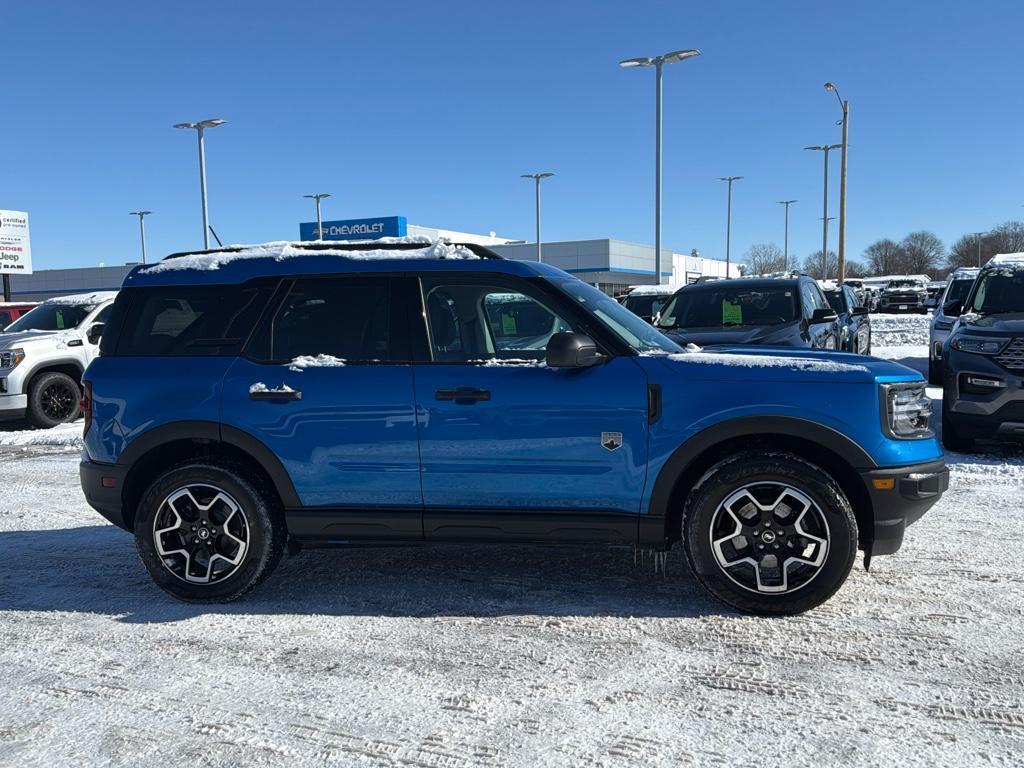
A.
x: 264, y: 526
x: 52, y: 399
x: 748, y: 470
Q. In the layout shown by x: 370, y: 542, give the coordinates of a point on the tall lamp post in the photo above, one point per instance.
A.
x: 319, y: 223
x: 536, y: 179
x: 845, y: 105
x: 825, y: 149
x: 980, y: 237
x: 658, y: 62
x: 142, y: 229
x: 728, y: 222
x: 200, y: 128
x: 785, y: 247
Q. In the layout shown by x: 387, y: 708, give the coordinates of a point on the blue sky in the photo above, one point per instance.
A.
x: 432, y: 110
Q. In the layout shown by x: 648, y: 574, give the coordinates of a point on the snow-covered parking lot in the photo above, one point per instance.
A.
x: 508, y: 656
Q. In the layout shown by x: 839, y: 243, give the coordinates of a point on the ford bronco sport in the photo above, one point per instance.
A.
x: 255, y: 399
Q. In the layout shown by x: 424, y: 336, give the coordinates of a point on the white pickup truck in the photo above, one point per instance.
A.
x: 44, y: 353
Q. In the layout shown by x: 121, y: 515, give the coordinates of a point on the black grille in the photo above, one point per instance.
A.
x: 1012, y: 358
x: 1011, y: 412
x: 902, y: 298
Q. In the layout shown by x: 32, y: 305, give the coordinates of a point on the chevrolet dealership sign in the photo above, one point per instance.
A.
x: 355, y: 229
x: 15, y: 249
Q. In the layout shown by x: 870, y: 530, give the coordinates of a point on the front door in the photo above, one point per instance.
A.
x: 511, y: 449
x: 327, y: 386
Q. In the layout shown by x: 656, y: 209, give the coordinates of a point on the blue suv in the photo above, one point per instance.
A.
x: 253, y: 400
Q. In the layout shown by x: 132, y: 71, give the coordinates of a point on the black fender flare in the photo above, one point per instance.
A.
x: 750, y: 426
x: 213, y: 432
x: 52, y: 363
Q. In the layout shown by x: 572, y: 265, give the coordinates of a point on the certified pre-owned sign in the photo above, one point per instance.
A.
x: 15, y: 249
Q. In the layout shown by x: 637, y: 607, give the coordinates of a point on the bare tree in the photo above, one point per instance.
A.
x: 964, y: 252
x: 1006, y: 238
x: 812, y: 266
x: 855, y: 269
x: 764, y: 258
x: 923, y: 251
x: 884, y: 257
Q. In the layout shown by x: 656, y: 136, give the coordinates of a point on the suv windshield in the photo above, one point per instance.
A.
x: 835, y: 300
x: 903, y: 284
x: 646, y: 304
x: 627, y: 326
x: 999, y: 291
x: 727, y: 306
x: 51, y: 317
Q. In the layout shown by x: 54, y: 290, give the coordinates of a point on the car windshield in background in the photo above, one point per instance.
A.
x: 835, y: 300
x: 1000, y: 292
x: 51, y: 317
x: 903, y: 284
x: 646, y: 304
x: 731, y: 307
x: 630, y: 328
x: 958, y: 290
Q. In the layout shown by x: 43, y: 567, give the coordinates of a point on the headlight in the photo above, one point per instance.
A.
x: 906, y: 410
x: 10, y: 358
x: 979, y: 345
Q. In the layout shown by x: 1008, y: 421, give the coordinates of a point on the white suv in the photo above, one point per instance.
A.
x: 43, y: 354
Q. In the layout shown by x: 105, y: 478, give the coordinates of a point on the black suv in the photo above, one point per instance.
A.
x: 790, y: 312
x: 983, y: 358
x: 854, y: 323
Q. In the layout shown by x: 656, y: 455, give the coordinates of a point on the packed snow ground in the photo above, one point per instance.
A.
x: 516, y: 656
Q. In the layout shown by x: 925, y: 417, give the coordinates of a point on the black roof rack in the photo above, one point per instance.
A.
x: 482, y: 251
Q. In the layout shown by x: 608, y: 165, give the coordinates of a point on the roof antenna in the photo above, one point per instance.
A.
x: 212, y: 232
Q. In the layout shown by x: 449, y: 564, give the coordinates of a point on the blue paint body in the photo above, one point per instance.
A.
x: 373, y: 435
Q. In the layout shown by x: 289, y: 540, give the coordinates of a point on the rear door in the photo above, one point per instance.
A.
x: 510, y: 449
x: 327, y: 386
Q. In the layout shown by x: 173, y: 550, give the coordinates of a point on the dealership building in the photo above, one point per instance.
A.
x: 609, y: 264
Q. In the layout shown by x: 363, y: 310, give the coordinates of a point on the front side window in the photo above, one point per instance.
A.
x: 835, y: 300
x: 727, y: 306
x: 958, y: 290
x: 52, y: 316
x: 475, y: 321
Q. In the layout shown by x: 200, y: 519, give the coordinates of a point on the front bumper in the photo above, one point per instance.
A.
x: 998, y: 413
x: 900, y: 496
x: 13, y: 407
x: 102, y: 485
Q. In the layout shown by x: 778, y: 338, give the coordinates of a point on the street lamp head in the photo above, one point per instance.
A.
x: 184, y: 125
x: 829, y: 87
x: 729, y: 178
x: 139, y: 213
x: 672, y: 58
x: 212, y: 122
x: 318, y: 196
x: 536, y: 176
x: 643, y: 61
x: 786, y: 202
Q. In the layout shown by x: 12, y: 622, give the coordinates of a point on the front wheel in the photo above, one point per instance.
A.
x: 52, y: 400
x: 208, y: 533
x: 769, y: 533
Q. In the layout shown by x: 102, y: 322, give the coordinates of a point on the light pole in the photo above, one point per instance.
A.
x: 824, y: 257
x: 142, y: 229
x: 319, y: 224
x: 824, y: 224
x: 199, y: 128
x: 536, y: 179
x: 728, y: 222
x: 980, y: 236
x: 785, y: 248
x: 658, y: 62
x: 845, y: 105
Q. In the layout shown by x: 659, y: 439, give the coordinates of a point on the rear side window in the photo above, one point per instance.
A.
x: 206, y: 320
x: 349, y: 318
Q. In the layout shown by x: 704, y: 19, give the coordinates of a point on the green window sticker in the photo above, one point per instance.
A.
x: 508, y: 325
x: 732, y: 313
x: 60, y: 319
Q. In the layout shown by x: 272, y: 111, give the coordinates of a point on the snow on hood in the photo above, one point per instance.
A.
x: 285, y: 249
x: 78, y: 299
x: 694, y: 354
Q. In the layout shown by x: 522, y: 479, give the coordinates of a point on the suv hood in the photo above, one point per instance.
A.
x: 1011, y: 324
x: 21, y: 338
x: 749, y: 334
x: 786, y: 364
x: 906, y: 289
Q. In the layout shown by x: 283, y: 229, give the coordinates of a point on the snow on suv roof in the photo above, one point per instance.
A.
x: 652, y: 290
x: 78, y: 299
x: 415, y: 247
x: 1006, y: 260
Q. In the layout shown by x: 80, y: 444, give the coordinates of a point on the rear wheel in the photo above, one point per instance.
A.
x: 52, y: 400
x: 208, y: 533
x: 769, y: 534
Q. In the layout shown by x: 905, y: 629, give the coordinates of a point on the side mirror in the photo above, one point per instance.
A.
x: 860, y: 310
x: 94, y: 333
x: 823, y: 315
x: 572, y: 350
x: 953, y: 308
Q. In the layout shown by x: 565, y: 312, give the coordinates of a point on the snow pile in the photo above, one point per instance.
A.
x: 319, y: 361
x: 766, y: 361
x: 81, y: 299
x: 61, y: 436
x: 653, y: 290
x: 495, y: 362
x: 899, y: 330
x: 284, y: 249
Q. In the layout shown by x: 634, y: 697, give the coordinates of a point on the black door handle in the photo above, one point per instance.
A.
x: 275, y: 394
x: 463, y: 394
